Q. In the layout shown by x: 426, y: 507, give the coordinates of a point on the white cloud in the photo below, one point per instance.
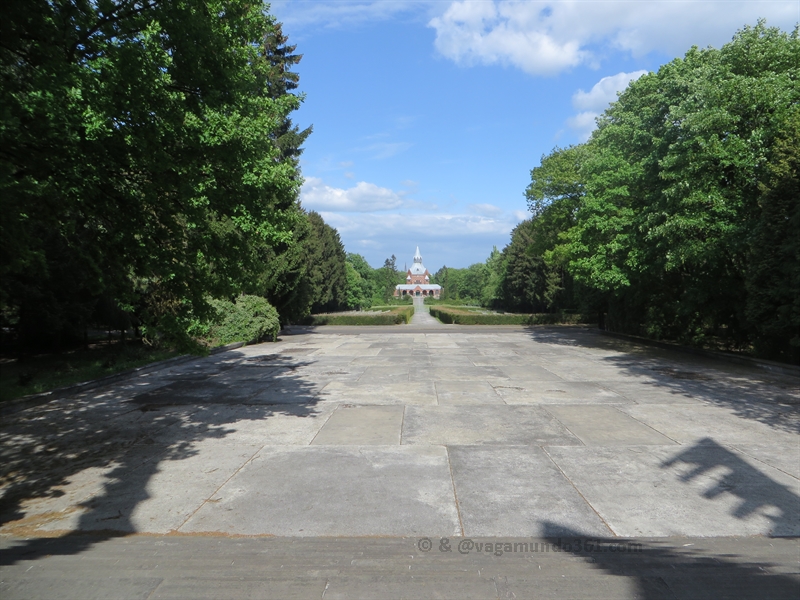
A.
x: 363, y: 197
x: 503, y: 32
x: 595, y: 101
x: 456, y: 240
x: 378, y: 222
x: 544, y: 38
x: 604, y: 92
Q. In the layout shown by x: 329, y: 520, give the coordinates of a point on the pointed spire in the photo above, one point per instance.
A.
x: 417, y: 256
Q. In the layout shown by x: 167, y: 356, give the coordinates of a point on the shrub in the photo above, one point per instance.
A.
x: 458, y: 316
x: 250, y: 318
x: 394, y: 316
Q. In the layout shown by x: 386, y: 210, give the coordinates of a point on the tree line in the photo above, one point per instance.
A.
x: 680, y: 217
x: 148, y: 166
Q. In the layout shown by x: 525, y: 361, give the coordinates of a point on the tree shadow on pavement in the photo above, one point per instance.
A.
x: 758, y: 493
x: 86, y: 464
x: 749, y: 392
x: 661, y: 569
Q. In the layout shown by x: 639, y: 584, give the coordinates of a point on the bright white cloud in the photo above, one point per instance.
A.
x: 547, y: 37
x: 457, y: 240
x: 595, y: 101
x: 503, y: 32
x: 604, y: 92
x: 363, y: 197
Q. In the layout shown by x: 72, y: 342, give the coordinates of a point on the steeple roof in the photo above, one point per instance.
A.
x: 418, y: 268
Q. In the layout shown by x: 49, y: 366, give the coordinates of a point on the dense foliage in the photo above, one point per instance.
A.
x: 370, y: 287
x: 148, y: 164
x: 248, y: 319
x: 680, y: 217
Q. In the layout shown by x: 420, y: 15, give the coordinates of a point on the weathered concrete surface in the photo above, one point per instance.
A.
x: 606, y: 426
x: 335, y: 490
x: 362, y: 425
x: 162, y: 567
x: 411, y: 431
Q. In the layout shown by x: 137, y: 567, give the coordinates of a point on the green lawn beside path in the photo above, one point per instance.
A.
x: 42, y: 373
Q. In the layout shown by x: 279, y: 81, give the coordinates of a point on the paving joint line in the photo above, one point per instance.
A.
x: 755, y: 458
x: 402, y: 423
x: 338, y: 406
x: 575, y: 487
x: 646, y: 425
x: 223, y: 484
x: 455, y: 493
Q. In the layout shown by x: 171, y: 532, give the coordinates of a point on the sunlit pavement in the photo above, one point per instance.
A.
x: 355, y: 445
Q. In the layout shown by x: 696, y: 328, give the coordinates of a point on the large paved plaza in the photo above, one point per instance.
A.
x: 348, y: 438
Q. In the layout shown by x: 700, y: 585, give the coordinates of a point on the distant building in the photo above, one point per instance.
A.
x: 418, y: 281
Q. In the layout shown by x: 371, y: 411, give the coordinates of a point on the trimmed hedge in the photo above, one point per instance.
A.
x: 464, y: 317
x: 395, y: 316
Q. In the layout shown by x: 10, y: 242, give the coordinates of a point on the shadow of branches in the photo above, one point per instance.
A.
x: 85, y: 464
x: 749, y: 392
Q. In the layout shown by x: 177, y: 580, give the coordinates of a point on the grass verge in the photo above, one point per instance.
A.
x: 460, y: 316
x: 395, y: 316
x: 43, y: 373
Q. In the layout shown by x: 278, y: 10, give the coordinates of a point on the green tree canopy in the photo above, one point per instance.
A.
x: 144, y: 157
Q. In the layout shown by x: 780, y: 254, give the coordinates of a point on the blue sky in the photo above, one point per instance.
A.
x: 428, y: 116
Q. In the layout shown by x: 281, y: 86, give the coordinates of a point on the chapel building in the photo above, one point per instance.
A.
x: 418, y: 281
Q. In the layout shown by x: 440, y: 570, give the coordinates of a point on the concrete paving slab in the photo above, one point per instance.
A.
x: 458, y: 360
x: 89, y: 588
x: 216, y: 586
x: 362, y: 425
x: 334, y: 490
x: 785, y: 458
x: 529, y: 373
x: 466, y: 392
x: 390, y: 361
x: 708, y: 490
x: 606, y: 426
x: 497, y: 361
x: 154, y: 498
x: 454, y: 373
x: 692, y: 423
x: 388, y: 374
x: 283, y: 424
x: 557, y: 392
x: 514, y: 491
x: 204, y: 566
x: 411, y: 393
x: 498, y: 425
x: 649, y: 392
x: 297, y: 392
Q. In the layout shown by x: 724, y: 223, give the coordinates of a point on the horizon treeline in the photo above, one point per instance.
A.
x: 679, y: 218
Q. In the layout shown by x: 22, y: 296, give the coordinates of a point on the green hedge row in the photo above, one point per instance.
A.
x: 463, y: 317
x: 395, y: 316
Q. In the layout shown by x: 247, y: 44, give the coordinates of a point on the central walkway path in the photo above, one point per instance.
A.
x: 422, y: 316
x: 383, y: 456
